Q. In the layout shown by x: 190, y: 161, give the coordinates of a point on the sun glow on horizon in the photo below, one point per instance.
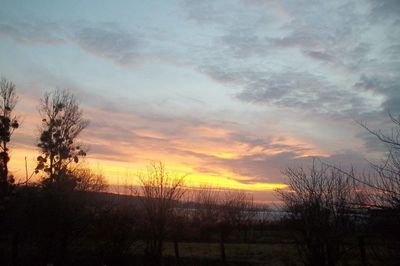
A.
x: 125, y: 173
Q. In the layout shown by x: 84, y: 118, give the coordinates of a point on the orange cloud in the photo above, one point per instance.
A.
x: 123, y: 143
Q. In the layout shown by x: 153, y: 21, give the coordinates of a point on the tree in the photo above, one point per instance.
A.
x: 62, y: 122
x: 319, y: 202
x: 386, y: 182
x: 87, y: 180
x: 8, y: 123
x: 223, y: 213
x: 384, y: 190
x: 208, y: 210
x: 159, y: 192
x: 235, y: 211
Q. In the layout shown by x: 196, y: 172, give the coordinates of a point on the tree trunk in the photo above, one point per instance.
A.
x: 176, y: 248
x: 361, y: 245
x: 5, y: 161
x: 222, y: 248
x: 4, y: 168
x: 15, y: 247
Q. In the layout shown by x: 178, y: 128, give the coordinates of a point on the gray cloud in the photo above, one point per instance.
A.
x: 204, y: 11
x: 296, y: 90
x: 243, y: 53
x: 383, y: 9
x: 243, y: 42
x: 387, y: 85
x: 393, y: 51
x: 33, y: 31
x: 110, y: 42
x: 268, y: 168
x: 105, y: 40
x: 319, y: 55
x: 337, y: 37
x: 323, y: 31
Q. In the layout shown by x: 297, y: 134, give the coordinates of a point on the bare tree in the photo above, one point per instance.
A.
x: 8, y: 123
x: 386, y: 182
x: 222, y: 213
x: 159, y: 192
x: 237, y: 208
x: 319, y: 201
x: 208, y: 210
x: 87, y: 180
x: 235, y: 211
x: 62, y: 122
x: 384, y: 191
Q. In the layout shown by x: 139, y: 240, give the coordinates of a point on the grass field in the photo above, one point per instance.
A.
x: 251, y: 254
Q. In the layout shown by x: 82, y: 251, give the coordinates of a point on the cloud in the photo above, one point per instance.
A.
x: 300, y: 90
x: 268, y: 167
x: 387, y: 85
x: 209, y: 147
x: 331, y: 59
x: 242, y: 42
x: 304, y: 56
x: 319, y: 55
x: 33, y: 31
x: 202, y: 145
x: 204, y: 11
x: 393, y: 51
x: 106, y: 40
x: 321, y: 30
x: 385, y: 9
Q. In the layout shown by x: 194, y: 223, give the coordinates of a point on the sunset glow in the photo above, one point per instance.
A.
x: 229, y: 94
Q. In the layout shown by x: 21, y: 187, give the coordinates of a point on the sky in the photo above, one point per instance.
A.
x: 229, y: 92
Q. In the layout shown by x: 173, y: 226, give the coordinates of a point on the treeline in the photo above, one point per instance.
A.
x: 336, y: 214
x: 38, y: 219
x: 60, y: 214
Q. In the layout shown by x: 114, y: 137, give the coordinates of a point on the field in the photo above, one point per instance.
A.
x: 236, y: 253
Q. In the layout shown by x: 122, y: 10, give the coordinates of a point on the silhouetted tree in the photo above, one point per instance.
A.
x: 208, y: 210
x: 387, y: 181
x: 87, y: 180
x: 319, y: 201
x: 8, y: 123
x: 222, y: 213
x: 384, y: 190
x: 235, y: 211
x: 112, y: 228
x: 159, y: 193
x: 62, y: 122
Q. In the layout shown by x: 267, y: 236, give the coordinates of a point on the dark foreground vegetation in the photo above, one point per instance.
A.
x: 329, y: 216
